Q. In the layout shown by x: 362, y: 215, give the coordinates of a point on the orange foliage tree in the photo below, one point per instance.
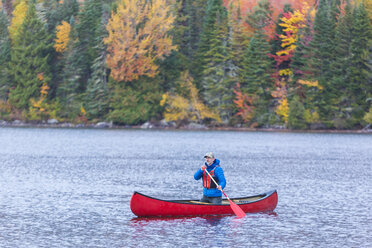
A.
x: 247, y: 6
x: 244, y: 103
x: 137, y: 37
x: 40, y: 109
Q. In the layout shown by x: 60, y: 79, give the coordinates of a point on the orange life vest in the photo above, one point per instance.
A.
x: 207, y: 181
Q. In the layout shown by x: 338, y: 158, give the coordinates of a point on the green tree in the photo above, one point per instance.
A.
x: 97, y: 89
x: 238, y: 38
x: 218, y: 69
x: 341, y: 68
x: 67, y: 91
x: 88, y: 31
x: 257, y: 65
x: 296, y: 118
x: 360, y: 72
x: 133, y: 103
x: 323, y: 50
x: 29, y: 57
x: 194, y: 13
x: 4, y: 55
x: 215, y: 17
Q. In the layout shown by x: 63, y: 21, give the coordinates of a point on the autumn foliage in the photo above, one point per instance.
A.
x: 19, y: 15
x: 244, y: 103
x: 188, y: 107
x: 40, y: 108
x: 138, y: 37
x: 63, y: 36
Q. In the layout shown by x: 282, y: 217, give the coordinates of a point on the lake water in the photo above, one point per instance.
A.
x: 72, y: 187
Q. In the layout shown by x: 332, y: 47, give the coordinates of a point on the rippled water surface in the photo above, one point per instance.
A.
x: 72, y: 187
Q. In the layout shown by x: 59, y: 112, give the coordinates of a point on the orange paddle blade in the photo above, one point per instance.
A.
x: 237, y: 210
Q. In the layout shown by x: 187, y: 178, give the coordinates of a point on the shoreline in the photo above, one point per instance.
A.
x: 164, y: 126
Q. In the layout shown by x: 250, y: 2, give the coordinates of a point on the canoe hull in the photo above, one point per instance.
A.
x: 145, y: 206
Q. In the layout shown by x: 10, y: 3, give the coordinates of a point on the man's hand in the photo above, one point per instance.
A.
x: 203, y: 167
x: 219, y: 187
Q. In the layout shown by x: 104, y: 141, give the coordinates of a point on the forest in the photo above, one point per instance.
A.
x: 220, y: 63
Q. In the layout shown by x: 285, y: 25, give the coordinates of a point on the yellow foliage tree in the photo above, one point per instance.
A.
x: 283, y: 109
x: 188, y: 107
x: 40, y: 109
x: 310, y: 83
x: 19, y: 15
x: 62, y: 36
x: 137, y: 37
x: 291, y: 23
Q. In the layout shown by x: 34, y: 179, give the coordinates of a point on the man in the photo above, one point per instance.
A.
x: 211, y: 192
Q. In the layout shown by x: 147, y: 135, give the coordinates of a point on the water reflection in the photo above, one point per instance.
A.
x: 210, y: 219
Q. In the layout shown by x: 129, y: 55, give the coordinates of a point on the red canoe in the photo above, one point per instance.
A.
x: 146, y: 206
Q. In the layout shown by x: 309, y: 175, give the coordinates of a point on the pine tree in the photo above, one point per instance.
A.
x: 58, y: 11
x: 97, y: 90
x: 302, y: 55
x: 341, y: 68
x: 67, y: 91
x: 296, y: 114
x: 257, y: 67
x: 238, y: 38
x: 29, y: 57
x: 88, y: 31
x: 323, y: 49
x: 218, y: 71
x: 4, y: 55
x: 195, y: 11
x: 360, y: 72
x: 215, y: 16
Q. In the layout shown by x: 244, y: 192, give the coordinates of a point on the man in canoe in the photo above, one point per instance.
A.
x: 211, y: 192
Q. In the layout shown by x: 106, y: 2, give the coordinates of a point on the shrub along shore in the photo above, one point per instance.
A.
x: 163, y: 125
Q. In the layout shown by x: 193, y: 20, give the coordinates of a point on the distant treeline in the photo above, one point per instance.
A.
x: 298, y: 65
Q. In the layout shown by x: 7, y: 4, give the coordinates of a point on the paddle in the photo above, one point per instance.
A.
x: 235, y: 208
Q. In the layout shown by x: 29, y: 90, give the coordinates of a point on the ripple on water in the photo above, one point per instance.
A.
x: 71, y: 188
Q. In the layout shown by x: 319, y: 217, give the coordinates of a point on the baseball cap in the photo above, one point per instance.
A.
x: 209, y: 154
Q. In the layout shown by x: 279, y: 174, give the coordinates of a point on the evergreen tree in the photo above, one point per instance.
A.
x: 216, y: 77
x: 296, y: 114
x: 97, y: 89
x: 58, y: 11
x: 322, y: 57
x: 55, y: 13
x: 134, y: 103
x: 4, y: 55
x: 257, y: 65
x: 67, y: 91
x: 341, y: 68
x: 195, y: 13
x: 88, y: 31
x: 215, y: 17
x: 238, y: 38
x: 360, y: 72
x: 29, y: 57
x: 302, y: 55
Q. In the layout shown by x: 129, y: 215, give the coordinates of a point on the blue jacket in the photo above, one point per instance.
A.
x: 218, y: 172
